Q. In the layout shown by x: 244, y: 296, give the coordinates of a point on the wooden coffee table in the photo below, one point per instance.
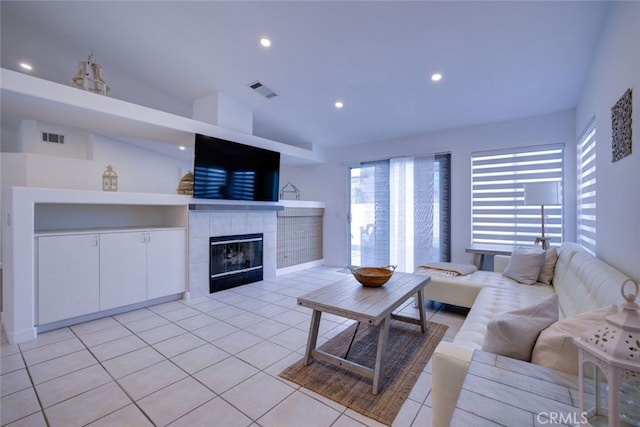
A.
x: 372, y: 306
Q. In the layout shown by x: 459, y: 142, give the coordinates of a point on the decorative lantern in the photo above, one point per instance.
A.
x: 185, y: 186
x: 109, y: 180
x: 289, y: 191
x: 613, y: 349
x: 90, y: 77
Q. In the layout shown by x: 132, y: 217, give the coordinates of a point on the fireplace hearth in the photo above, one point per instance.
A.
x: 235, y: 261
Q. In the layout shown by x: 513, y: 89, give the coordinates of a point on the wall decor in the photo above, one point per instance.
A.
x: 289, y: 191
x: 185, y: 186
x: 90, y: 77
x: 621, y: 127
x: 109, y: 180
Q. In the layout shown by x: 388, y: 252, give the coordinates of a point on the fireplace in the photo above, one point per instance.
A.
x: 234, y: 261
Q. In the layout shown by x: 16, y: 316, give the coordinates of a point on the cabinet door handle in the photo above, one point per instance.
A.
x: 96, y: 242
x: 148, y: 237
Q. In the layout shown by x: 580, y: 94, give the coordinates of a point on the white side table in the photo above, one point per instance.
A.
x: 479, y: 251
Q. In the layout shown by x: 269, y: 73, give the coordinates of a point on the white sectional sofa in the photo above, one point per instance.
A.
x: 581, y: 281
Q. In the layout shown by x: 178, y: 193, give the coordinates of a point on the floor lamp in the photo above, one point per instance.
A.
x: 542, y: 193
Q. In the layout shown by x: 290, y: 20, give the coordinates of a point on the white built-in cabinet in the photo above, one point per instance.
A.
x: 166, y: 262
x: 95, y: 258
x: 68, y: 280
x: 140, y: 265
x: 83, y: 273
x: 123, y: 269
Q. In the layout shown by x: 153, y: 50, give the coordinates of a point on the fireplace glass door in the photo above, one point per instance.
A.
x: 235, y: 259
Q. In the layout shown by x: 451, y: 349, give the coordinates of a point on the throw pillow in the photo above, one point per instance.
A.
x: 524, y: 265
x: 514, y: 334
x: 555, y: 347
x: 549, y: 265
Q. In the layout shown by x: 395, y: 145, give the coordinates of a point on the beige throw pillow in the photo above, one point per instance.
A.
x: 514, y: 334
x: 525, y: 264
x: 555, y: 347
x: 546, y: 271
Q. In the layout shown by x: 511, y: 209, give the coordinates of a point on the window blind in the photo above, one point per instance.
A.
x: 586, y: 215
x: 499, y: 215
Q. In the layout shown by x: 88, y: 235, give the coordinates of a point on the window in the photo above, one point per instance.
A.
x: 499, y: 215
x: 399, y: 212
x: 586, y: 192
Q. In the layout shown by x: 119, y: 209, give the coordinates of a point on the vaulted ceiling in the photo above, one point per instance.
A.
x: 498, y: 60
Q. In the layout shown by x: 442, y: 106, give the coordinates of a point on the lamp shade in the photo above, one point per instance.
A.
x: 542, y: 193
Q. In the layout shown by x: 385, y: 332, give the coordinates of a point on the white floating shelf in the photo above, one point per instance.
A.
x: 27, y: 97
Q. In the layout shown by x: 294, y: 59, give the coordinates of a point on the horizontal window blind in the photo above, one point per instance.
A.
x: 499, y: 215
x: 586, y: 218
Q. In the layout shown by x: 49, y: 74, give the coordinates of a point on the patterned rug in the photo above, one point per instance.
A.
x: 408, y: 352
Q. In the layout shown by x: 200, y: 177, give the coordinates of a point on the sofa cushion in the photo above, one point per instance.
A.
x: 463, y: 290
x: 525, y: 264
x: 546, y: 271
x: 555, y: 347
x: 513, y: 334
x: 490, y: 303
x: 587, y: 283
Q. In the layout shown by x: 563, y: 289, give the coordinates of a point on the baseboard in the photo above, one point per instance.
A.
x: 299, y: 267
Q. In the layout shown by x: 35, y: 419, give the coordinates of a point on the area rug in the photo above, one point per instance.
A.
x: 408, y: 352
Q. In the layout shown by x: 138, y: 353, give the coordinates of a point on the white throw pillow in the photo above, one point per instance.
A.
x: 514, y: 334
x: 555, y: 348
x: 525, y: 264
x: 546, y: 271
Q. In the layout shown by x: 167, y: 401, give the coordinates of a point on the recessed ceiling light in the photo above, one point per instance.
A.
x: 339, y: 104
x: 182, y: 147
x: 265, y: 42
x: 436, y: 77
x: 26, y: 66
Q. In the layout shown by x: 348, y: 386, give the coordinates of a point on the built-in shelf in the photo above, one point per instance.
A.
x: 301, y: 204
x: 221, y: 205
x: 27, y: 97
x: 33, y: 212
x: 76, y: 231
x: 234, y: 207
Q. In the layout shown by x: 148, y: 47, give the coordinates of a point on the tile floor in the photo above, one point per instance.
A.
x: 211, y: 361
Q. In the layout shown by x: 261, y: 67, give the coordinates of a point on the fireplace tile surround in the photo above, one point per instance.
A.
x: 212, y: 223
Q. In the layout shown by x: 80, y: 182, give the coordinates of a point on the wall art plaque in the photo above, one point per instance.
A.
x: 621, y: 127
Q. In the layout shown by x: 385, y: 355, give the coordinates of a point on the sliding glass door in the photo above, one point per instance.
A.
x: 399, y: 212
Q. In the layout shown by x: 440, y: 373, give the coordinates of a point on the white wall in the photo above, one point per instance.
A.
x: 76, y: 144
x: 80, y: 162
x: 615, y: 68
x: 329, y: 182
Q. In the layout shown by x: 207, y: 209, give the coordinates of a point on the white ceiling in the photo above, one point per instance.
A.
x: 500, y: 60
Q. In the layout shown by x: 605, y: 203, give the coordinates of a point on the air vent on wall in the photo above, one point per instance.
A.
x: 262, y: 90
x: 53, y: 138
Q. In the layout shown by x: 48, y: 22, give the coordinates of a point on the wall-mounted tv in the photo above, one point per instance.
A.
x: 233, y: 171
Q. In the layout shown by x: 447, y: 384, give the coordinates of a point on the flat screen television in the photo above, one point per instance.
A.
x: 232, y: 171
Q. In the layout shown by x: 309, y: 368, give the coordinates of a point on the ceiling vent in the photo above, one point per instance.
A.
x: 262, y: 90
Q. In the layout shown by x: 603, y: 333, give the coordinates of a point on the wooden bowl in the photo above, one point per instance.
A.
x: 373, y: 277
